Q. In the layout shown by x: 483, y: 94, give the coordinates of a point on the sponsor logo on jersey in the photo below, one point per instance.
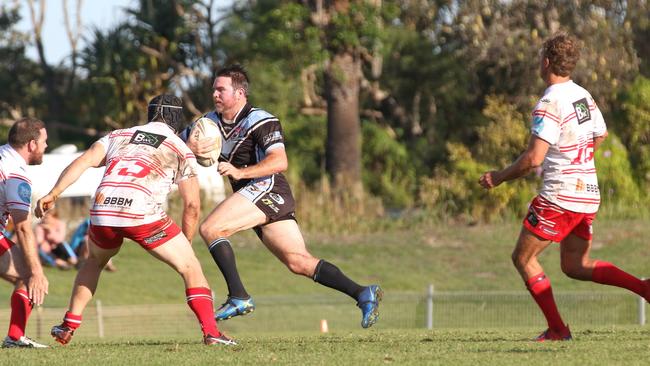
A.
x: 592, y: 188
x: 538, y: 124
x: 546, y: 100
x: 582, y: 110
x: 25, y: 192
x: 581, y: 186
x: 532, y: 219
x: 99, y: 198
x: 155, y: 237
x: 252, y: 188
x: 116, y: 201
x: 277, y: 198
x: 270, y: 204
x: 273, y: 136
x: 147, y: 138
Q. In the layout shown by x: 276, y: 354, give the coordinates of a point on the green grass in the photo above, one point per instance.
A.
x: 595, y: 346
x: 453, y: 257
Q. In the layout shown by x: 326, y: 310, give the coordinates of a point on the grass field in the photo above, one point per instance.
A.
x: 603, y: 346
x: 452, y: 257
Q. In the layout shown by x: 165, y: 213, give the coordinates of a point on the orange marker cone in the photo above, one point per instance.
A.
x: 323, y: 326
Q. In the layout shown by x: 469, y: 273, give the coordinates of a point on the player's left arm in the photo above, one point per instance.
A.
x: 525, y: 163
x: 93, y: 157
x: 600, y: 128
x: 269, y: 138
x: 199, y: 147
x: 274, y: 162
x: 37, y: 284
x: 189, y: 191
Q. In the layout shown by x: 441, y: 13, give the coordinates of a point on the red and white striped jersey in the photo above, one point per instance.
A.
x: 15, y: 185
x: 142, y: 163
x: 568, y: 119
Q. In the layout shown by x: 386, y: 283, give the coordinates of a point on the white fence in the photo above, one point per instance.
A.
x: 302, y: 313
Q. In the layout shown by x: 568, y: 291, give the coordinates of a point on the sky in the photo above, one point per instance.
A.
x: 95, y: 13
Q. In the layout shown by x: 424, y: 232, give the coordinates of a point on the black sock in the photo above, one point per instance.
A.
x: 331, y: 276
x: 224, y: 257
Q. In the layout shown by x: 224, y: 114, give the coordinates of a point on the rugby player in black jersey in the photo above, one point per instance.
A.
x: 253, y: 158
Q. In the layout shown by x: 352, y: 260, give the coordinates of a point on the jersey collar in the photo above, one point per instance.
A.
x: 241, y: 115
x: 16, y: 156
x: 243, y: 112
x: 558, y: 86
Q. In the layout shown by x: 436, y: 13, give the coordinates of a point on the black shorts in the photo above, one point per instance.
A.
x: 276, y: 204
x: 273, y: 197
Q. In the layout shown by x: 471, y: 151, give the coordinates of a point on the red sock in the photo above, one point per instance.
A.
x: 608, y: 274
x: 539, y: 287
x: 199, y: 300
x: 71, y: 321
x: 21, y: 307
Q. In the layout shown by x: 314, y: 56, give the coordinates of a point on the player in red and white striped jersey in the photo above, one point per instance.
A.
x: 141, y: 163
x: 19, y: 262
x: 568, y: 119
x: 567, y: 129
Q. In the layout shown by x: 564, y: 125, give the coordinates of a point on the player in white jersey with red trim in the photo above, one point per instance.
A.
x: 19, y: 263
x: 566, y: 131
x: 568, y: 119
x: 137, y: 178
x: 141, y: 163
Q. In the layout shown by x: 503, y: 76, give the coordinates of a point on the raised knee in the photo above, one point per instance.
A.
x: 211, y: 232
x: 571, y: 270
x: 294, y: 267
x: 298, y: 265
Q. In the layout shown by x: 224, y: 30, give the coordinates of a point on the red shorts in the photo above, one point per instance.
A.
x: 149, y: 236
x: 552, y: 222
x: 5, y: 244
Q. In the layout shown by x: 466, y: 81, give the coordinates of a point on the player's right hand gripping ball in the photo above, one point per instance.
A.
x: 206, y: 128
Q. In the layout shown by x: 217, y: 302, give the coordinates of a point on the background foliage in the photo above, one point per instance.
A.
x: 446, y: 87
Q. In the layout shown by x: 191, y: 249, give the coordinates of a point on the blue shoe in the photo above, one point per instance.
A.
x: 234, y: 307
x: 368, y: 302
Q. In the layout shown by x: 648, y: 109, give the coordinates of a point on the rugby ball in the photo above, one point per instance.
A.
x: 203, y: 128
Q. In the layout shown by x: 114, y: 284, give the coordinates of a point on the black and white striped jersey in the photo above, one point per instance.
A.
x: 247, y: 140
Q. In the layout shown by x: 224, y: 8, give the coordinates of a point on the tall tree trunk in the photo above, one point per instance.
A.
x: 54, y: 101
x: 343, y: 157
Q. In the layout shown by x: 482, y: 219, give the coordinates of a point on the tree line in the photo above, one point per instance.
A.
x: 408, y: 101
